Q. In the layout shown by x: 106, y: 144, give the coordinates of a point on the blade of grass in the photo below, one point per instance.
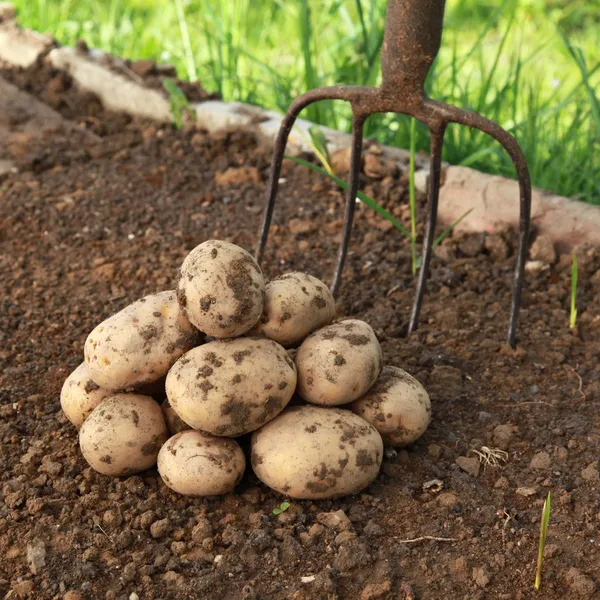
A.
x: 543, y: 532
x: 573, y: 315
x: 310, y: 78
x: 185, y: 38
x: 361, y: 195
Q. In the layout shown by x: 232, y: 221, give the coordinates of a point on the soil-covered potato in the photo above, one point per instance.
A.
x: 338, y: 363
x: 175, y: 423
x: 313, y: 452
x: 123, y: 435
x: 231, y: 387
x: 139, y: 344
x: 195, y: 463
x: 80, y: 395
x: 397, y: 405
x: 295, y: 305
x: 221, y: 288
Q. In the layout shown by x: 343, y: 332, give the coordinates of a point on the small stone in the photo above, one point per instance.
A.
x: 526, y: 491
x: 73, y: 595
x: 579, y: 583
x: 172, y: 578
x: 160, y: 528
x: 236, y: 176
x: 178, y: 548
x: 460, y: 568
x: 590, y: 473
x: 497, y: 247
x: 552, y: 550
x: 112, y: 518
x: 501, y: 483
x: 447, y: 499
x: 36, y: 556
x: 309, y: 538
x: 503, y: 435
x: 472, y: 244
x: 344, y: 537
x: 22, y: 588
x: 297, y: 226
x: 376, y: 590
x: 561, y: 453
x: 351, y: 556
x: 543, y: 250
x: 469, y: 464
x: 481, y: 576
x: 335, y: 520
x: 373, y: 529
x: 378, y: 167
x: 541, y: 461
x: 202, y: 530
x: 340, y: 160
x: 434, y: 451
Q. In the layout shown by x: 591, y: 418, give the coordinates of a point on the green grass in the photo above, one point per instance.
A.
x: 543, y: 533
x: 531, y: 65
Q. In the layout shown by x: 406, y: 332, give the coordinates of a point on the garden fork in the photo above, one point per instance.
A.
x: 413, y: 32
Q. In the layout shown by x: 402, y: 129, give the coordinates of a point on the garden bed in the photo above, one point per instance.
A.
x: 91, y: 222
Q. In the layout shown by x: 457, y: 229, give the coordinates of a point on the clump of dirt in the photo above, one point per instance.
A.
x: 82, y: 238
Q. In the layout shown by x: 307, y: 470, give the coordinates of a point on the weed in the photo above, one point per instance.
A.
x: 178, y: 102
x: 281, y: 508
x: 573, y: 315
x: 543, y: 532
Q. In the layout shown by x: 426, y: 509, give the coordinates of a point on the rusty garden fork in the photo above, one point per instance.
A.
x: 413, y: 33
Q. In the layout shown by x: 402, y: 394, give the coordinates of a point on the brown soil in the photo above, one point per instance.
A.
x: 86, y: 227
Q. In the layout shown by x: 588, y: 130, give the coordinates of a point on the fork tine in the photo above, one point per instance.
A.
x: 435, y: 169
x: 353, y: 178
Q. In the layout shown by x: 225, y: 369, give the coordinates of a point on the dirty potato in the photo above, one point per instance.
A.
x: 139, y: 344
x: 295, y: 305
x: 221, y: 288
x: 194, y: 463
x: 397, y: 405
x: 338, y: 363
x: 80, y: 395
x: 231, y: 387
x: 123, y: 435
x: 174, y: 422
x: 310, y: 452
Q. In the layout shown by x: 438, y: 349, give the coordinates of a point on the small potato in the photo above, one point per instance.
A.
x: 231, y: 387
x: 338, y: 363
x: 139, y: 344
x: 295, y: 305
x: 195, y: 463
x: 221, y: 288
x: 175, y: 423
x: 123, y: 435
x: 309, y: 452
x: 397, y: 405
x: 80, y: 395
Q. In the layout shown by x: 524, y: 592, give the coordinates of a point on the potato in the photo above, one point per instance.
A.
x: 231, y: 387
x: 338, y: 363
x: 139, y: 344
x: 221, y: 289
x: 80, y: 395
x: 199, y: 464
x: 397, y: 405
x: 295, y: 305
x: 310, y: 452
x: 123, y: 435
x: 174, y: 422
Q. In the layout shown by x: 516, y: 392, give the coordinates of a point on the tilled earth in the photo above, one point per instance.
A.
x: 89, y: 224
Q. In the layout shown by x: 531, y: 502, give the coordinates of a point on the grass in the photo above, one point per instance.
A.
x: 573, y: 315
x: 531, y: 65
x: 543, y: 533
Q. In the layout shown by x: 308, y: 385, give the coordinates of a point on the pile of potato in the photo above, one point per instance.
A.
x: 234, y: 356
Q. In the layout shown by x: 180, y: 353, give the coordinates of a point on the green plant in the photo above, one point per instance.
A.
x: 178, y: 102
x: 281, y: 508
x: 573, y: 315
x: 543, y: 533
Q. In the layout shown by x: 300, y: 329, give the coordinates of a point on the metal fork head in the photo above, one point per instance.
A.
x: 413, y: 33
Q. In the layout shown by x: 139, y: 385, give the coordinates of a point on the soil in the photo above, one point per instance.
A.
x: 89, y: 224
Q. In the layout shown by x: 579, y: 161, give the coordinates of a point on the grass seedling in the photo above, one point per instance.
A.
x: 573, y: 315
x: 281, y: 508
x: 179, y: 104
x: 543, y: 532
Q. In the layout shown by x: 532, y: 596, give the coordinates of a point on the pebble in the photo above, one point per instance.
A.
x: 334, y: 520
x: 447, y: 499
x: 481, y: 576
x: 160, y: 528
x: 590, y: 473
x: 202, y: 530
x: 376, y: 590
x: 350, y: 556
x: 552, y: 550
x: 434, y: 451
x: 36, y: 556
x: 503, y: 435
x: 469, y: 464
x: 541, y: 461
x: 526, y: 491
x: 501, y: 483
x: 235, y: 176
x: 543, y: 250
